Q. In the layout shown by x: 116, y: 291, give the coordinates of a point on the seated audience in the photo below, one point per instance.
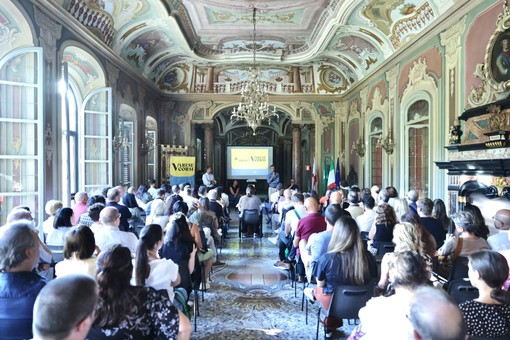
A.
x: 354, y: 208
x: 346, y: 263
x: 200, y: 220
x: 318, y: 243
x: 86, y: 219
x: 248, y: 202
x: 152, y: 271
x: 412, y: 197
x: 467, y: 242
x: 386, y: 317
x: 501, y: 241
x: 488, y: 315
x: 113, y: 198
x: 78, y: 253
x: 109, y: 234
x: 65, y: 308
x: 142, y: 196
x: 132, y: 312
x: 80, y: 207
x: 157, y: 214
x: 51, y: 208
x: 366, y: 220
x: 234, y: 192
x: 179, y: 246
x: 434, y: 226
x: 482, y: 229
x: 401, y: 207
x: 406, y: 238
x: 429, y: 242
x: 94, y: 212
x: 382, y: 230
x: 19, y: 283
x: 61, y: 226
x: 439, y: 213
x: 429, y: 306
x: 45, y: 255
x: 313, y: 223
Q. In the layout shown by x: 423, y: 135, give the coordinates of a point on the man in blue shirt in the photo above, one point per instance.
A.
x: 273, y: 178
x: 19, y: 283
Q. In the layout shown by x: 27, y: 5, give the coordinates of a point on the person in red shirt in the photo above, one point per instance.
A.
x: 313, y: 223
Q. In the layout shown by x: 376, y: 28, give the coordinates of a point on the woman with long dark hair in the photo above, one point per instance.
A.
x: 152, y: 271
x: 488, y: 316
x: 179, y: 246
x: 382, y: 230
x: 346, y: 263
x: 61, y: 225
x: 132, y: 312
x: 439, y: 212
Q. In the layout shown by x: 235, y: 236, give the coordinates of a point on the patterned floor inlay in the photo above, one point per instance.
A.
x: 251, y: 299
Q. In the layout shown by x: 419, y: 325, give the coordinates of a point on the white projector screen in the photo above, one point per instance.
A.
x: 248, y: 162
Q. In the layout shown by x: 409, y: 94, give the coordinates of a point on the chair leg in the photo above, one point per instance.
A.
x: 318, y: 323
x: 306, y: 312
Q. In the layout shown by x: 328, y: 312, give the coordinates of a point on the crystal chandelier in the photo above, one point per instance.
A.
x: 253, y: 107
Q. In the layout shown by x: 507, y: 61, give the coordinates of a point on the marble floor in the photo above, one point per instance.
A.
x: 251, y: 299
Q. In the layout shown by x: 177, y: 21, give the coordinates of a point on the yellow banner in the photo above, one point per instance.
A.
x: 250, y: 159
x: 182, y: 166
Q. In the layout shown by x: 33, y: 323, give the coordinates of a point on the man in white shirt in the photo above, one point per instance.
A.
x: 500, y: 240
x: 208, y: 178
x: 354, y: 209
x: 153, y: 189
x: 366, y: 220
x: 109, y: 234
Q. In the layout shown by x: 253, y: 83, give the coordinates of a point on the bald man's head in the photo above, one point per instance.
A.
x: 335, y: 197
x: 428, y: 308
x: 311, y: 205
x: 502, y: 219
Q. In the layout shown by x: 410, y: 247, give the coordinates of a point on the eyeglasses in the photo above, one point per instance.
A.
x: 118, y: 216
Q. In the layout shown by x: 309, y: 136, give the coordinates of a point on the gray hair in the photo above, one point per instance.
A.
x: 412, y: 195
x: 113, y: 193
x: 15, y: 238
x: 428, y: 307
x: 465, y: 220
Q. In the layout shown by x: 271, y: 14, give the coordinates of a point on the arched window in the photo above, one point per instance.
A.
x: 85, y: 125
x: 417, y: 137
x: 150, y: 142
x: 375, y: 153
x: 22, y: 132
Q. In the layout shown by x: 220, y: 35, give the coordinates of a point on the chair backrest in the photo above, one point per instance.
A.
x: 347, y: 300
x: 461, y: 290
x: 251, y: 216
x: 459, y: 268
x: 385, y: 247
x: 57, y: 252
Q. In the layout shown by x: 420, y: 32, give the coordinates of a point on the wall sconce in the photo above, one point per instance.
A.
x: 120, y: 141
x: 358, y: 147
x: 148, y: 144
x: 386, y: 143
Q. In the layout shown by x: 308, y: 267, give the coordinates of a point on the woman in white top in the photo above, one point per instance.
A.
x: 61, y: 225
x: 79, y: 252
x: 51, y: 209
x: 152, y: 271
x: 157, y: 214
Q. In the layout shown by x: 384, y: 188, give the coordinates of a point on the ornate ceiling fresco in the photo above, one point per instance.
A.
x: 303, y: 46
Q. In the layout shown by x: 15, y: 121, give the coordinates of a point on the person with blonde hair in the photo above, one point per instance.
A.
x: 51, y: 208
x: 406, y: 238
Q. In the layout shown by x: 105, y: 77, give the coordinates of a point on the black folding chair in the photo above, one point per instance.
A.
x: 346, y: 302
x: 250, y: 217
x: 461, y: 290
